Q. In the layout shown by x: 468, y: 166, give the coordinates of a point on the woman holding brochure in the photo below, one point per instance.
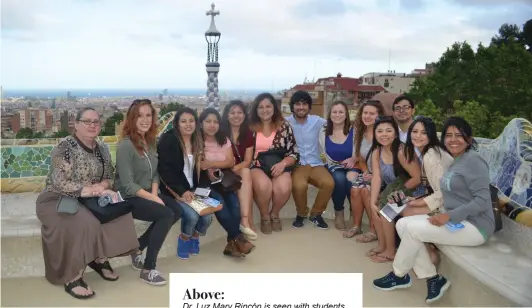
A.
x: 468, y: 219
x: 137, y: 181
x: 179, y: 151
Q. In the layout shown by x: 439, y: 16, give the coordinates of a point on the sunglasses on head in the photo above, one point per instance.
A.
x: 138, y: 101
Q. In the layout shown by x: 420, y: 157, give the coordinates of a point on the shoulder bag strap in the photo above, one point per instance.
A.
x: 236, y: 150
x: 169, y: 189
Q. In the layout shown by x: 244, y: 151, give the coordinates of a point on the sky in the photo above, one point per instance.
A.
x: 265, y: 44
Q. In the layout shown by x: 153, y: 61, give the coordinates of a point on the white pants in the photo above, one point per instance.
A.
x: 415, y: 231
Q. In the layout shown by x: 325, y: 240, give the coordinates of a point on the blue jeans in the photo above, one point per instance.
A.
x: 192, y: 222
x: 229, y: 215
x: 342, y: 188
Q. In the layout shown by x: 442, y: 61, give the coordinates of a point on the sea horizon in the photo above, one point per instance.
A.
x: 122, y: 92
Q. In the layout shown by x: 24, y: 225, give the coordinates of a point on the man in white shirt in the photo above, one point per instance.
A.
x: 403, y: 112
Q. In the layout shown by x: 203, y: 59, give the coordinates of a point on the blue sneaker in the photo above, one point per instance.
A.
x: 318, y: 221
x: 194, y: 246
x: 299, y: 222
x: 392, y: 282
x: 183, y: 248
x: 436, y: 287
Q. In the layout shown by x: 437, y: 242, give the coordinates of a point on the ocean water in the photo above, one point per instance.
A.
x: 44, y: 93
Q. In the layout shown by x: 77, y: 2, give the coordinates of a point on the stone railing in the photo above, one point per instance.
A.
x: 25, y: 164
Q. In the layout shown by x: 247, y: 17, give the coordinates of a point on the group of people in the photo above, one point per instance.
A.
x: 274, y: 157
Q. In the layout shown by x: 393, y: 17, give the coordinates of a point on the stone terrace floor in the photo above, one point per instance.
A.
x: 293, y: 250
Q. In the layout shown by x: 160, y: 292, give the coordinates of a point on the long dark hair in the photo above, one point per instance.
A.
x: 360, y: 128
x: 432, y: 135
x: 254, y: 120
x: 398, y: 169
x: 220, y: 136
x: 225, y: 126
x: 347, y: 121
x: 463, y: 127
x: 197, y: 142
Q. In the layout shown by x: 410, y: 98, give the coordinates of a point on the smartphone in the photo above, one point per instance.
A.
x: 390, y: 211
x: 454, y: 227
x: 203, y: 192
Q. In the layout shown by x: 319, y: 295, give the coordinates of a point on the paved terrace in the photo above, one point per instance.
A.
x: 291, y: 251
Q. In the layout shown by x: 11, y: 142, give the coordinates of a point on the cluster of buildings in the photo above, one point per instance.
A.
x: 354, y: 91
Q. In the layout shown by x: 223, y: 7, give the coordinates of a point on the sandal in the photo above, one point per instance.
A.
x: 372, y: 252
x: 99, y: 267
x: 352, y: 232
x: 367, y: 237
x: 378, y: 258
x: 78, y: 283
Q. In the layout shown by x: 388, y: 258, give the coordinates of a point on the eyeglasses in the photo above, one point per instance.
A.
x: 138, y: 101
x: 89, y: 122
x: 404, y: 108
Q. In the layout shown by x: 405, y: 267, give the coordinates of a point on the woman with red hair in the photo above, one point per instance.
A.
x: 137, y: 180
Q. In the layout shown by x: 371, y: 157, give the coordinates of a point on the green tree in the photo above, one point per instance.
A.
x: 496, y: 79
x: 60, y: 134
x: 110, y: 123
x: 24, y: 133
x: 173, y: 106
x: 428, y: 109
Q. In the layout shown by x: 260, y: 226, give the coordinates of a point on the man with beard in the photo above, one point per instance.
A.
x: 311, y: 169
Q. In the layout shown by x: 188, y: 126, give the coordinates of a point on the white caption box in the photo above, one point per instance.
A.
x: 266, y: 290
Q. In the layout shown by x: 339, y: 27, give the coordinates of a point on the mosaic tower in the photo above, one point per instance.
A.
x: 212, y: 35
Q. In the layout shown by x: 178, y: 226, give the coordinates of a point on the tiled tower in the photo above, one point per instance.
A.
x: 212, y: 35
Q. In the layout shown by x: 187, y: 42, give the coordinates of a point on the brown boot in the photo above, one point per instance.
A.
x: 339, y: 220
x: 232, y: 250
x: 243, y: 245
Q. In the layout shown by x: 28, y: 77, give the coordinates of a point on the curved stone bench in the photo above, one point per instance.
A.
x: 21, y: 238
x: 503, y: 264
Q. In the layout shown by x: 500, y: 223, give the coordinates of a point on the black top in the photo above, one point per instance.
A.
x: 171, y: 164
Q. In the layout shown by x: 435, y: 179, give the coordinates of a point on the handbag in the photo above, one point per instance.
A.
x: 269, y: 158
x: 230, y: 181
x: 67, y: 205
x: 107, y: 213
x: 198, y: 204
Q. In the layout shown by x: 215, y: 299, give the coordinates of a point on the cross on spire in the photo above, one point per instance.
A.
x: 212, y: 12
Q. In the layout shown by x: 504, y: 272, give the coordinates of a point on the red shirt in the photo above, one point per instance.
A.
x: 248, y: 142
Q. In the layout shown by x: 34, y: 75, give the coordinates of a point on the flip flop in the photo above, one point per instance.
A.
x: 378, y: 258
x: 367, y: 237
x: 372, y: 252
x: 352, y: 232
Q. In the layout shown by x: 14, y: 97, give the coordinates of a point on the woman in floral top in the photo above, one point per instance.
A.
x: 273, y: 136
x: 81, y: 167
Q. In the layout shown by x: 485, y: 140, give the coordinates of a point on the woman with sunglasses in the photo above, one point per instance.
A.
x: 360, y: 194
x: 137, y: 180
x: 391, y: 167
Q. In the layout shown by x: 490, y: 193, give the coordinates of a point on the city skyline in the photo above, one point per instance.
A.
x: 118, y: 44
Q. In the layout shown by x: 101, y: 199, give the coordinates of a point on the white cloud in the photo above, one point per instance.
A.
x: 160, y: 43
